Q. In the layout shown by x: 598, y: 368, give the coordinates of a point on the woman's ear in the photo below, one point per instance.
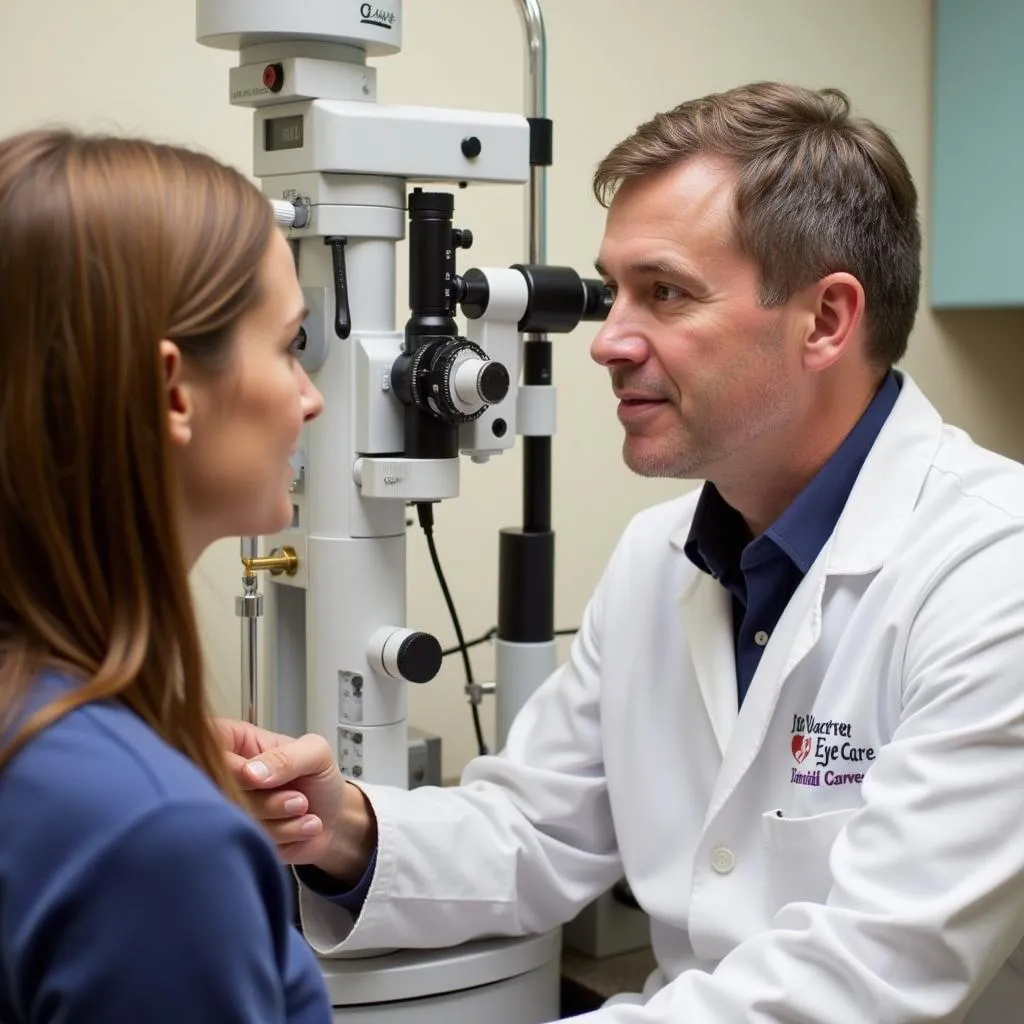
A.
x: 180, y: 400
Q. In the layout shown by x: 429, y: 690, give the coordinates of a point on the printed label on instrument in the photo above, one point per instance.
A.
x: 350, y: 753
x: 350, y: 694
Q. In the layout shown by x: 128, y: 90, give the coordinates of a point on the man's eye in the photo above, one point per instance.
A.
x: 667, y: 292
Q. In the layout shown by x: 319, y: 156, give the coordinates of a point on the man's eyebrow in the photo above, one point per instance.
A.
x: 657, y: 266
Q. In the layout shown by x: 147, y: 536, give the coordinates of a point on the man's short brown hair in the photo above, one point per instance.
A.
x: 818, y: 191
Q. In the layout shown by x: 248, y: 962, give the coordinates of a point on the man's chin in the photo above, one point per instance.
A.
x: 646, y: 461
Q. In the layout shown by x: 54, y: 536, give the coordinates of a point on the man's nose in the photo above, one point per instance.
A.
x: 618, y: 341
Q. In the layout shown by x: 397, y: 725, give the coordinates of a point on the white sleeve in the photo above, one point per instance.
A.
x: 927, y: 896
x: 518, y: 848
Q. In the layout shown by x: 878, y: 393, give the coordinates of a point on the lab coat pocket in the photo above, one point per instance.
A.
x: 797, y: 855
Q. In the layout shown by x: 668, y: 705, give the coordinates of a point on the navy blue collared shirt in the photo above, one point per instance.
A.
x: 762, y: 573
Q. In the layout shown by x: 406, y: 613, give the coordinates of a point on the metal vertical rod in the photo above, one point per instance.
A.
x: 248, y: 609
x: 537, y: 352
x: 536, y: 106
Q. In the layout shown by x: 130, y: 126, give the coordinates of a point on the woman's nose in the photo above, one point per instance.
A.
x: 312, y: 400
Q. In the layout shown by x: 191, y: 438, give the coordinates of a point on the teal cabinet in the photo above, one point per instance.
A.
x: 977, y: 224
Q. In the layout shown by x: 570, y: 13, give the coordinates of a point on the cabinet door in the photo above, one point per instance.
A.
x: 977, y: 230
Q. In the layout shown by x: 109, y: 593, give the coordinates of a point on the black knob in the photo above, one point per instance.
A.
x: 419, y: 657
x: 471, y: 147
x: 462, y: 238
x: 493, y: 383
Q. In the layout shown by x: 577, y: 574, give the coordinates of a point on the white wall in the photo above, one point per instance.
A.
x: 133, y: 66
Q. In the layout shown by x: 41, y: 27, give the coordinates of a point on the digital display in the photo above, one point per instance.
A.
x: 282, y: 133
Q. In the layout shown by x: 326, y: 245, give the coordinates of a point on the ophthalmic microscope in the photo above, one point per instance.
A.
x: 400, y: 407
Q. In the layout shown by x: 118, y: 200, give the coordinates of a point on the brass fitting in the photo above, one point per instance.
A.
x: 280, y: 560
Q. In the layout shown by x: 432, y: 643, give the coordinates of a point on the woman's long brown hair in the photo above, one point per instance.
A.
x: 107, y: 246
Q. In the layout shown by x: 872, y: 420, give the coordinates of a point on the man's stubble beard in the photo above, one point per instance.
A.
x: 712, y: 440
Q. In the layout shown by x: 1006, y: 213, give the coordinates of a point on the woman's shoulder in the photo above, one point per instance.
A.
x: 111, y: 838
x: 92, y: 774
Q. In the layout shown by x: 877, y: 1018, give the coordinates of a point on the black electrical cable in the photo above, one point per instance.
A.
x: 425, y: 513
x: 490, y: 635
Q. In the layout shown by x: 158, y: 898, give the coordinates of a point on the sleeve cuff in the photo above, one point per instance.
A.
x: 331, y: 889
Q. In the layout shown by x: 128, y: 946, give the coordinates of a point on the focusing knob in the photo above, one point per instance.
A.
x: 450, y: 378
x: 419, y: 372
x: 419, y: 657
x: 462, y: 367
x: 407, y: 654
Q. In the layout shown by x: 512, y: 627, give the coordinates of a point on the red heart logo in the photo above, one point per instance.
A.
x: 801, y: 747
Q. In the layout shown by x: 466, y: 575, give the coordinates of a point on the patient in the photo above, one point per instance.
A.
x: 150, y: 399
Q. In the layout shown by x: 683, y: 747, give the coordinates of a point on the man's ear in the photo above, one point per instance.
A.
x: 180, y: 400
x: 837, y: 306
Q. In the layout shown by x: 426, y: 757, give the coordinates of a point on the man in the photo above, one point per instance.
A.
x: 793, y: 717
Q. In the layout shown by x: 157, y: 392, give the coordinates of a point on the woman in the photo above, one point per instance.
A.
x: 150, y: 399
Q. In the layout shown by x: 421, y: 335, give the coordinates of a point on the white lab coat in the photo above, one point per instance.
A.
x: 849, y: 849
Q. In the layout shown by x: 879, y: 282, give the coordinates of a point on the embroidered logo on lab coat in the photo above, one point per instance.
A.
x: 835, y: 759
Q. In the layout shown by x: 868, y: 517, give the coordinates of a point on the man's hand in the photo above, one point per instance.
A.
x: 297, y: 791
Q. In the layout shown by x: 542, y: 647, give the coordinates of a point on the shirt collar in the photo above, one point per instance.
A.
x: 718, y: 534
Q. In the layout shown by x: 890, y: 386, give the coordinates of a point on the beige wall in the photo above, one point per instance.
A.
x: 130, y: 66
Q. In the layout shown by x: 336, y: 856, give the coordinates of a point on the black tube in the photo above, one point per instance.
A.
x: 526, y: 595
x: 526, y: 562
x: 432, y: 311
x: 427, y: 437
x: 431, y: 267
x: 537, y: 450
x: 536, y: 484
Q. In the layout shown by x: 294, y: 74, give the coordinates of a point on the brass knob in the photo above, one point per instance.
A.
x: 280, y: 560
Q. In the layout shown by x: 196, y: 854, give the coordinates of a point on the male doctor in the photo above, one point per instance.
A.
x: 793, y: 717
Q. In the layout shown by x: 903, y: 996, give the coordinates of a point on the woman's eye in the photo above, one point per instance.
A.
x: 298, y: 343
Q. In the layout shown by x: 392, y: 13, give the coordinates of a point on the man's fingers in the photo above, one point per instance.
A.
x: 280, y: 805
x: 295, y: 759
x: 245, y: 739
x: 268, y: 804
x: 293, y: 836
